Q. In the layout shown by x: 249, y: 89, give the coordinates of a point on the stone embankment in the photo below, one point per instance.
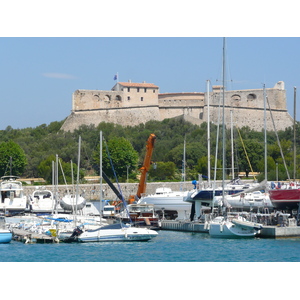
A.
x: 91, y: 191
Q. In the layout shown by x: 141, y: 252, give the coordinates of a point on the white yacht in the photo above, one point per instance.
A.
x: 42, y: 201
x: 12, y: 198
x: 166, y: 200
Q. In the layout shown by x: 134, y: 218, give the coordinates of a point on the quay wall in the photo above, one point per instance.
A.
x: 91, y: 191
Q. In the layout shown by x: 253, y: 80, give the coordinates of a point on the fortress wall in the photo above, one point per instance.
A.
x: 124, y: 117
x: 253, y: 98
x: 130, y: 104
x: 252, y: 117
x: 172, y: 112
x: 97, y: 99
x: 187, y: 104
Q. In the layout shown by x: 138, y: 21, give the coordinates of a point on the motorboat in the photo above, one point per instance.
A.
x: 5, y: 234
x: 43, y: 201
x: 71, y: 202
x: 113, y: 233
x: 166, y: 200
x: 12, y: 198
x: 233, y: 227
x: 233, y: 187
x: 245, y: 201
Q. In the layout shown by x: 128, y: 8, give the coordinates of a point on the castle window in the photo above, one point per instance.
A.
x: 236, y: 97
x: 142, y: 98
x: 128, y: 89
x: 107, y: 98
x: 128, y: 98
x: 145, y: 89
x: 138, y: 90
x: 153, y: 91
x: 251, y: 97
x: 96, y: 97
x: 118, y: 97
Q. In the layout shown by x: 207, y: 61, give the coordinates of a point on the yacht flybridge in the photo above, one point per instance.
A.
x: 12, y: 198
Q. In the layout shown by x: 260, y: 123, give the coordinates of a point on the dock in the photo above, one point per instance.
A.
x: 266, y: 232
x: 184, y: 225
x: 279, y: 232
x: 29, y: 237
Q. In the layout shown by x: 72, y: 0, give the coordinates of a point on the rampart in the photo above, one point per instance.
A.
x: 130, y: 104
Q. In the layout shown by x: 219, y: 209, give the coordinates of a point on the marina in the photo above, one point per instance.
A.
x: 168, y: 246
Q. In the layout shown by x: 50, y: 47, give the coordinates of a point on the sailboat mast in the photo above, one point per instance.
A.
x: 208, y: 136
x: 184, y: 162
x: 232, y: 152
x: 265, y: 130
x: 77, y: 183
x: 223, y: 125
x: 100, y: 175
x: 56, y: 183
x: 294, y: 133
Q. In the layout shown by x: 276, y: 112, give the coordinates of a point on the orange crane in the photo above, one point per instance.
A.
x: 144, y: 169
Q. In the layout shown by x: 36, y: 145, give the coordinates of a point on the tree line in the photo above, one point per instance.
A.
x: 30, y: 152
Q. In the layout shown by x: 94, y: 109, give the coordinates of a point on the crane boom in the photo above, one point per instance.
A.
x: 145, y: 168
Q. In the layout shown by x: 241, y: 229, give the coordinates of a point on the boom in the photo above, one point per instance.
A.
x: 145, y: 168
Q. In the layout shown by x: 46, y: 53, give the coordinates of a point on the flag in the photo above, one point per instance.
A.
x: 116, y: 77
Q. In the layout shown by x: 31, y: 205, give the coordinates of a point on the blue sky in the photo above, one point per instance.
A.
x: 42, y: 65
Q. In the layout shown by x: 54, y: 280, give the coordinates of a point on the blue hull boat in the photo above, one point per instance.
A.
x: 5, y: 236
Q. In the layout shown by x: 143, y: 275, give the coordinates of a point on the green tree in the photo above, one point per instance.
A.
x: 12, y: 153
x: 162, y: 171
x: 64, y: 170
x: 117, y: 154
x: 201, y: 167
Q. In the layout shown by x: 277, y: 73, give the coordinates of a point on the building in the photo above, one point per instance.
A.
x: 130, y: 104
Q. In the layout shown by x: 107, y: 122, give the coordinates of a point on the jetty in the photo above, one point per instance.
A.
x: 28, y: 237
x: 268, y: 231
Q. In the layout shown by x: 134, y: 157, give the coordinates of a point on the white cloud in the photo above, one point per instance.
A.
x: 59, y: 75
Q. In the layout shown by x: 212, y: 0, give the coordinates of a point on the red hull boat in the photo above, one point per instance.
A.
x: 288, y: 199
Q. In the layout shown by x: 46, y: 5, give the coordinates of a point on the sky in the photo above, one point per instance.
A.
x: 41, y: 65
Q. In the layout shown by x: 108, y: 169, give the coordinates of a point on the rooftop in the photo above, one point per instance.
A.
x: 134, y: 84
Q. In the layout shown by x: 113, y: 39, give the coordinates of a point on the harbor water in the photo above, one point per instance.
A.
x: 183, y: 264
x: 168, y: 246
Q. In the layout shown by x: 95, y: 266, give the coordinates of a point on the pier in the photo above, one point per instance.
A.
x: 28, y: 237
x: 184, y: 226
x: 266, y: 232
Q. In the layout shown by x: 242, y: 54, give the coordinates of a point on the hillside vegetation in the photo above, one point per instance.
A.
x: 29, y: 152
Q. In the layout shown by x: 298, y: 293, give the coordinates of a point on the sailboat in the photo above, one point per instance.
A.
x: 233, y: 227
x: 228, y: 226
x: 114, y: 232
x: 287, y: 196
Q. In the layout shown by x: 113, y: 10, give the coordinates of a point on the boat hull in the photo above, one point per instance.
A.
x: 5, y: 236
x: 288, y: 199
x: 238, y: 229
x: 127, y: 234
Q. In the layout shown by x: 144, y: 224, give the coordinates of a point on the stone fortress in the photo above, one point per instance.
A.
x: 130, y: 104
